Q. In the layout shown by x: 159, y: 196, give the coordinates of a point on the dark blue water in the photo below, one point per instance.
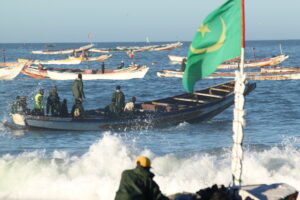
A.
x: 185, y: 158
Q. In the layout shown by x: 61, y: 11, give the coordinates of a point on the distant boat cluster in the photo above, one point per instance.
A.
x: 37, y: 70
x: 268, y: 69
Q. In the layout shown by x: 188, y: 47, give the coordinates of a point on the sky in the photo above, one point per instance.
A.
x: 50, y: 21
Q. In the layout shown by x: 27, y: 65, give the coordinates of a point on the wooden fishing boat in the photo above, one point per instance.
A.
x: 279, y: 69
x: 190, y: 107
x: 9, y: 73
x: 88, y: 74
x: 233, y: 64
x: 70, y: 61
x: 287, y: 75
x: 9, y: 64
x: 91, y: 74
x: 35, y: 71
x: 267, y: 75
x: 160, y: 47
x: 64, y: 51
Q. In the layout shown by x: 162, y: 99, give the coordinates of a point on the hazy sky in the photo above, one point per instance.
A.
x: 134, y: 20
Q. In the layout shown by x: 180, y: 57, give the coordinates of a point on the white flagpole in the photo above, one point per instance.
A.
x: 238, y: 114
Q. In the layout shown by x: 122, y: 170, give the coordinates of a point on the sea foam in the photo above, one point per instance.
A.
x: 96, y: 174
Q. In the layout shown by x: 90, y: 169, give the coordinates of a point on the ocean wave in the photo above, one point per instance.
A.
x: 96, y: 174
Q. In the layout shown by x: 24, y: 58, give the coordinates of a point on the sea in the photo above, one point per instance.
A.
x: 77, y: 165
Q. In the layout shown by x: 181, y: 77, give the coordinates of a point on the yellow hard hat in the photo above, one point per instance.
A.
x: 143, y: 161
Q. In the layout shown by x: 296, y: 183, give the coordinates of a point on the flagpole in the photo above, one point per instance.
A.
x: 238, y: 112
x: 243, y: 37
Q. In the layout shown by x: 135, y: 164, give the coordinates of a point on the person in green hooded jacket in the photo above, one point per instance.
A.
x: 77, y: 89
x: 53, y: 103
x: 138, y: 183
x: 119, y: 96
x: 111, y: 110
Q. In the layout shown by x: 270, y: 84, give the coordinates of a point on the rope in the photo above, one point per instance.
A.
x: 238, y: 125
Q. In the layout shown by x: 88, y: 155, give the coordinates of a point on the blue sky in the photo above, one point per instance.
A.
x: 134, y: 20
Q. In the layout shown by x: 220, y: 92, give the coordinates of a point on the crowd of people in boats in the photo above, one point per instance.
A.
x: 55, y: 107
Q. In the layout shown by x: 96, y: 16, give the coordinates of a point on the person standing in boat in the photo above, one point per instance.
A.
x: 77, y: 88
x: 138, y: 183
x: 121, y: 65
x: 53, y: 103
x: 78, y: 94
x: 119, y: 96
x: 64, y: 108
x: 39, y: 103
x: 183, y: 64
x: 102, y: 68
x: 83, y: 54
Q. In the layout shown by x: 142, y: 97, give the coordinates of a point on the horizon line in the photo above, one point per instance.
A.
x: 132, y: 41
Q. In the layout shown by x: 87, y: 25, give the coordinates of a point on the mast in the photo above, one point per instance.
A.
x: 238, y: 113
x: 243, y: 37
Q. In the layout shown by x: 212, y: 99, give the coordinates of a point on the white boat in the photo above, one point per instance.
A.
x: 176, y: 59
x: 120, y: 74
x: 234, y: 63
x: 64, y: 51
x: 52, y: 62
x: 280, y: 69
x: 69, y: 61
x: 9, y: 73
x: 266, y: 75
x: 160, y: 47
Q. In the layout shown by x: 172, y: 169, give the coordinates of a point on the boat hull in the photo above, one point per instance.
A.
x: 124, y: 74
x: 267, y: 75
x: 145, y: 118
x: 9, y: 73
x: 65, y: 51
x: 235, y: 64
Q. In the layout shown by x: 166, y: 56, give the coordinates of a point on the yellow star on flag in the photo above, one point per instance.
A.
x: 203, y: 29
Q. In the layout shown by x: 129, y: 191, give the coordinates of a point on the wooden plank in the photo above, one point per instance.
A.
x: 219, y: 89
x: 189, y: 100
x: 227, y: 86
x: 208, y: 95
x: 161, y: 104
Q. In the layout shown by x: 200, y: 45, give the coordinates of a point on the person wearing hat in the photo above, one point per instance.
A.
x: 78, y: 94
x: 121, y: 65
x: 119, y: 96
x: 183, y: 64
x: 39, y: 103
x: 138, y: 183
x: 111, y: 110
x: 53, y: 103
x: 77, y: 89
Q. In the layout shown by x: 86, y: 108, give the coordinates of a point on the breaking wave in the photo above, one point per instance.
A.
x: 96, y: 174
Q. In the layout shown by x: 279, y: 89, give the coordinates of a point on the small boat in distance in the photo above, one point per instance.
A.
x: 269, y: 74
x: 127, y: 73
x: 159, y: 47
x: 69, y: 61
x: 189, y: 107
x: 64, y: 51
x: 130, y: 72
x: 234, y: 63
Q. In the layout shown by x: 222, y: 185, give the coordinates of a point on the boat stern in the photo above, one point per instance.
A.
x: 18, y: 119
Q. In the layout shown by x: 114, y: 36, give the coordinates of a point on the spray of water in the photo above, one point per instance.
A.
x: 96, y: 174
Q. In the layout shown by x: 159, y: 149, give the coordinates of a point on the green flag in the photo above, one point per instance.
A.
x: 217, y: 39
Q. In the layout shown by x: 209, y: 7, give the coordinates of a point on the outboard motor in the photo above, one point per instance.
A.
x: 20, y: 106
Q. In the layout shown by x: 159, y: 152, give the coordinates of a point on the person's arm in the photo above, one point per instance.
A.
x: 155, y: 191
x: 40, y: 102
x: 48, y: 105
x: 81, y: 90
